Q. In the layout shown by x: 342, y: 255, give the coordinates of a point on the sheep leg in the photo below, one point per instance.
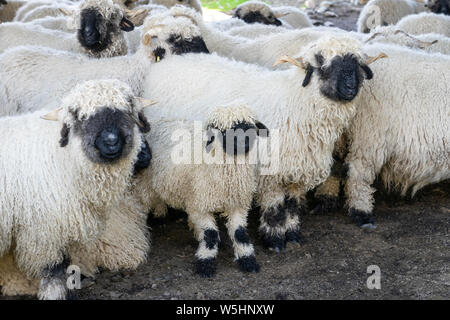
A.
x: 243, y: 249
x: 359, y: 191
x: 294, y: 205
x: 207, y: 234
x: 273, y: 218
x: 53, y: 282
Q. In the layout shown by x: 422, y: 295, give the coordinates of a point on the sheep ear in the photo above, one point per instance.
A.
x: 65, y: 11
x: 146, y: 39
x: 261, y: 126
x: 146, y: 102
x: 228, y: 13
x: 309, y: 72
x: 367, y: 71
x: 144, y: 125
x: 138, y: 16
x: 65, y: 130
x: 422, y: 44
x: 208, y: 146
x: 296, y: 62
x: 52, y: 116
x: 373, y: 59
x: 126, y: 25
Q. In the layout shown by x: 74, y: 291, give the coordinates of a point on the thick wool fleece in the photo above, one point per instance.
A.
x: 426, y: 23
x: 40, y: 221
x: 403, y: 135
x: 386, y: 12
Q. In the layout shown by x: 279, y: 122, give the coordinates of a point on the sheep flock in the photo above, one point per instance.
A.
x: 112, y: 111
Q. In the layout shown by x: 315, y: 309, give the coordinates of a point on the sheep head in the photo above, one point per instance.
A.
x: 165, y: 35
x: 236, y: 125
x: 103, y: 117
x: 256, y: 12
x: 339, y: 63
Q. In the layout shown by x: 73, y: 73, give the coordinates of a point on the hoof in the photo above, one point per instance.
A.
x: 248, y: 264
x: 275, y: 243
x: 206, y: 267
x: 293, y: 236
x: 362, y: 219
x: 326, y: 204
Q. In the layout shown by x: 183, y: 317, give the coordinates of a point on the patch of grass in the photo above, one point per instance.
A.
x: 222, y: 5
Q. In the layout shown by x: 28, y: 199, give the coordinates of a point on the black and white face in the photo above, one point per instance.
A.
x: 341, y: 79
x: 2, y: 2
x: 257, y: 17
x: 438, y: 6
x: 242, y: 135
x: 106, y: 136
x: 96, y: 32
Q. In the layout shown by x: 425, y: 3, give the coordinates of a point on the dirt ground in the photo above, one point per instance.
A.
x: 410, y: 245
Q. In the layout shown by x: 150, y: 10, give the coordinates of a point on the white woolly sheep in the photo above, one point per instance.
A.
x: 401, y: 135
x: 31, y: 5
x: 99, y: 22
x: 222, y: 180
x: 253, y: 31
x: 310, y: 114
x: 386, y: 12
x: 430, y: 42
x: 94, y: 161
x: 43, y: 11
x: 54, y: 23
x: 438, y: 6
x: 426, y: 23
x: 194, y: 4
x: 22, y: 68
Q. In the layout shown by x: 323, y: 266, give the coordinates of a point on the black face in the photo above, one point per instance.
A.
x: 3, y: 2
x: 439, y: 6
x: 243, y: 135
x: 95, y: 32
x: 181, y: 46
x: 341, y: 80
x: 106, y: 137
x: 257, y: 17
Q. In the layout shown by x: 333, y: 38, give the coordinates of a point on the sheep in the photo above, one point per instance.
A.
x: 224, y: 180
x: 22, y: 68
x: 93, y: 146
x: 254, y: 31
x: 401, y: 135
x: 32, y: 5
x: 310, y: 114
x: 259, y: 12
x: 438, y: 6
x: 9, y: 8
x: 194, y: 4
x: 425, y: 23
x: 99, y: 22
x: 430, y: 42
x: 386, y: 12
x: 43, y: 11
x: 54, y: 23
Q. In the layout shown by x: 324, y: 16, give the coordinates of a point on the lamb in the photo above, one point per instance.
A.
x: 95, y: 159
x: 310, y: 114
x: 425, y: 23
x: 431, y: 42
x: 21, y: 69
x: 402, y: 136
x: 223, y: 180
x: 99, y: 22
x: 259, y: 12
x: 385, y: 12
x: 438, y: 6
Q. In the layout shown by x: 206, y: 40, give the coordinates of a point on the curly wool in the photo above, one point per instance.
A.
x: 426, y: 23
x: 8, y: 11
x: 403, y: 135
x: 390, y: 12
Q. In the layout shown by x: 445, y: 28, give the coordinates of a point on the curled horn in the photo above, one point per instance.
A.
x: 376, y: 34
x: 52, y: 116
x: 279, y: 15
x: 146, y: 102
x: 296, y: 62
x: 422, y: 44
x: 373, y: 59
x: 65, y: 11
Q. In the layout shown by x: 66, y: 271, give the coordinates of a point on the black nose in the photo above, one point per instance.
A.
x: 91, y: 34
x: 110, y: 143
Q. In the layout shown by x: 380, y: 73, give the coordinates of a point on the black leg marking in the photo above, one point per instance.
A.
x: 206, y: 267
x: 326, y: 204
x: 275, y: 216
x: 277, y: 243
x: 293, y: 236
x: 241, y: 235
x: 362, y: 219
x: 248, y: 264
x: 211, y: 238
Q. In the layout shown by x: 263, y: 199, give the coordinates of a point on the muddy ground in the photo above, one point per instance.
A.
x: 410, y: 245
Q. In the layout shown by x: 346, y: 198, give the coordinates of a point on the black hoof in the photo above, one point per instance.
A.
x: 206, y: 267
x: 293, y: 236
x: 326, y: 204
x: 248, y: 264
x: 275, y: 243
x: 362, y: 219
